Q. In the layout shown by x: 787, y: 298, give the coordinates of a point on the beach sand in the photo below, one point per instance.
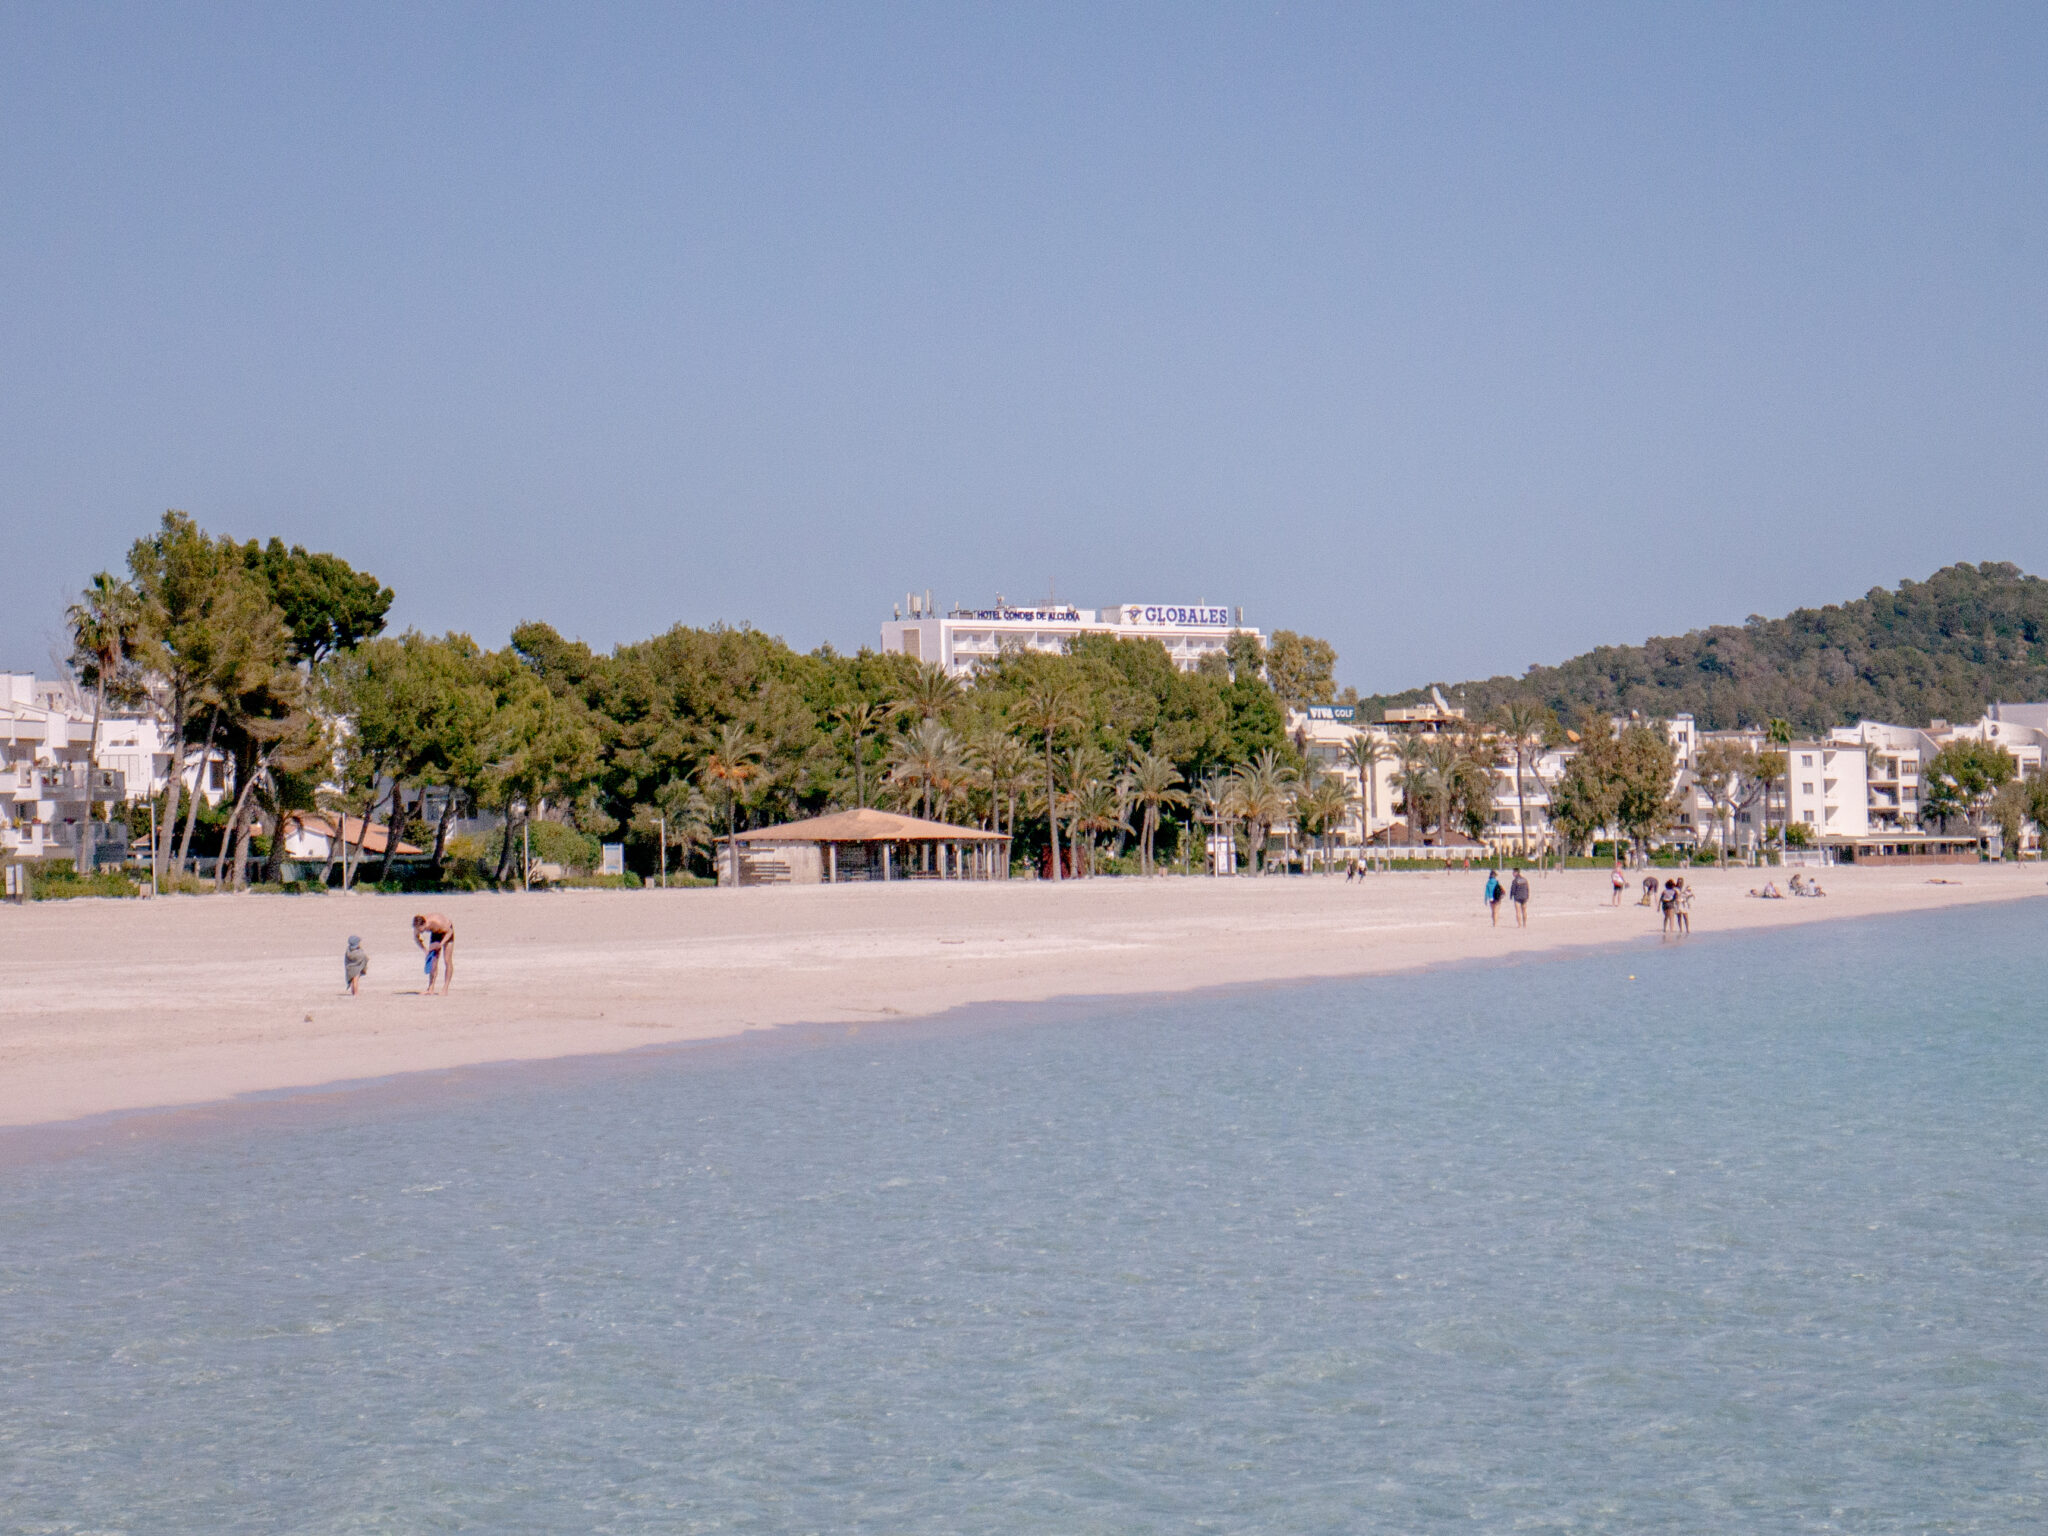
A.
x: 118, y: 1005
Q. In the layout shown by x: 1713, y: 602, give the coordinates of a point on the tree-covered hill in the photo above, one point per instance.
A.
x: 1936, y: 649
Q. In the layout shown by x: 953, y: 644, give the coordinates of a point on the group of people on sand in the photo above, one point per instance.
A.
x: 1800, y: 886
x: 1673, y: 898
x: 1515, y: 890
x: 432, y: 932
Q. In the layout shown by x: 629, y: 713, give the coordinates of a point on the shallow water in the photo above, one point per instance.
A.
x: 1753, y: 1241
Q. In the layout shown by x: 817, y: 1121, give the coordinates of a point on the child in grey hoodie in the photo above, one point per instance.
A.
x: 355, y: 963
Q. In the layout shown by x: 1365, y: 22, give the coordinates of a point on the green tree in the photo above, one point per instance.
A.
x: 1960, y: 779
x: 327, y: 605
x: 1301, y: 669
x: 1721, y: 768
x: 1644, y: 768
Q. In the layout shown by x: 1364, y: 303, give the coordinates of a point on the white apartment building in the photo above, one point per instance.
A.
x: 46, y: 789
x: 1827, y: 788
x: 1896, y: 754
x: 1323, y: 734
x: 963, y: 637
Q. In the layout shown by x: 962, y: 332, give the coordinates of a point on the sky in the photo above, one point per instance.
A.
x: 1465, y: 337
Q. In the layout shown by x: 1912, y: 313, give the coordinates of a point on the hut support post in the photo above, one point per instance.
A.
x: 831, y: 863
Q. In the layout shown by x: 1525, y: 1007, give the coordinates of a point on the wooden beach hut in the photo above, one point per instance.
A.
x: 862, y: 845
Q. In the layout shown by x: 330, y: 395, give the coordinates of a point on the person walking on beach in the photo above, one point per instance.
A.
x: 1668, y: 902
x: 1684, y: 909
x: 436, y: 935
x: 1494, y: 891
x: 355, y: 964
x: 1518, y: 892
x: 1620, y: 880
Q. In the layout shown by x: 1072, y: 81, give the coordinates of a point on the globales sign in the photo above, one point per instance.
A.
x: 1180, y: 618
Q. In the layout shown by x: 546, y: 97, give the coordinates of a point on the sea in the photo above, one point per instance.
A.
x: 1738, y: 1234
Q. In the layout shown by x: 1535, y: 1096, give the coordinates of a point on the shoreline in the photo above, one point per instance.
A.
x: 120, y: 1008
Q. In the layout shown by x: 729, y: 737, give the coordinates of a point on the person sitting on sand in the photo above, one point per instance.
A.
x: 1799, y: 885
x: 436, y: 935
x: 355, y: 964
x: 1770, y: 892
x: 1813, y: 888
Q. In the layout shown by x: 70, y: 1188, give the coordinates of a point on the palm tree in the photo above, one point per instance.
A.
x: 106, y: 623
x: 1149, y: 784
x: 861, y: 720
x: 1321, y: 802
x: 1442, y: 757
x: 926, y: 758
x: 1006, y: 771
x: 930, y: 694
x: 732, y: 762
x: 1047, y: 709
x: 1778, y: 733
x: 1215, y: 800
x: 681, y: 817
x: 1264, y: 794
x: 1364, y: 753
x: 1093, y: 807
x: 1412, y: 780
x: 1521, y: 722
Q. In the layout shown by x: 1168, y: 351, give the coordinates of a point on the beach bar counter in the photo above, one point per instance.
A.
x: 862, y: 845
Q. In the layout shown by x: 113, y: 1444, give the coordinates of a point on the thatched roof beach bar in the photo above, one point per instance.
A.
x: 862, y: 845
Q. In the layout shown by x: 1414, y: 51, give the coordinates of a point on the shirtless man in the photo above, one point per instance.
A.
x: 436, y: 935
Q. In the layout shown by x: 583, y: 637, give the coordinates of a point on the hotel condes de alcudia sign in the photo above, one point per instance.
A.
x: 1177, y: 617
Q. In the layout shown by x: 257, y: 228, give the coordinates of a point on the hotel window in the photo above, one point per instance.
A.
x: 1809, y: 818
x: 1806, y: 789
x: 1806, y: 759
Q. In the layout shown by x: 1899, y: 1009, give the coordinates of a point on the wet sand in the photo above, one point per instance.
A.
x: 119, y: 1005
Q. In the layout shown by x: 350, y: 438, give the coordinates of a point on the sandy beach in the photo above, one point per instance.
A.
x: 128, y: 1005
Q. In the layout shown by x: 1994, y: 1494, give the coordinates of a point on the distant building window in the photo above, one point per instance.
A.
x: 1806, y: 789
x: 1808, y: 816
x: 1806, y: 759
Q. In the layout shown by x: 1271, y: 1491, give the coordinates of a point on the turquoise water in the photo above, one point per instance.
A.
x: 1756, y: 1241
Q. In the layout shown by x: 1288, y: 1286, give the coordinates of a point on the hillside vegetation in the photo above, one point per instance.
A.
x: 1936, y: 649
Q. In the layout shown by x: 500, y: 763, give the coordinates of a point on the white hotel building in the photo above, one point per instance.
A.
x: 959, y: 639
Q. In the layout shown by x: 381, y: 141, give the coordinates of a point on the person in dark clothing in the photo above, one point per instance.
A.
x: 1518, y: 892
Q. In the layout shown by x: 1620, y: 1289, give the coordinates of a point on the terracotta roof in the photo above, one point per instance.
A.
x: 371, y: 841
x: 868, y: 826
x: 1397, y: 835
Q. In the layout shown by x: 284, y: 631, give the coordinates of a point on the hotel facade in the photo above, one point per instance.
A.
x: 962, y: 638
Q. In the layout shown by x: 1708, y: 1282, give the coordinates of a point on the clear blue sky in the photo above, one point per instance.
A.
x: 1465, y: 337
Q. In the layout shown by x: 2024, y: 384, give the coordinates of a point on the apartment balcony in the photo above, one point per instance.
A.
x: 62, y: 783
